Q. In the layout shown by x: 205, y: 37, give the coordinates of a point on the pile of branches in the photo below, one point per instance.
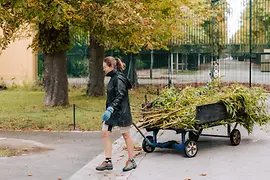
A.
x: 177, y: 108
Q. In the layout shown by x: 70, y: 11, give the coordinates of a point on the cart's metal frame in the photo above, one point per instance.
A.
x: 210, y: 114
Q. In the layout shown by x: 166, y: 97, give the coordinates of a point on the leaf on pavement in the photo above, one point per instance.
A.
x: 137, y: 148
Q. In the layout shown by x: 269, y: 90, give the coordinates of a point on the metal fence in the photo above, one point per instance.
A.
x: 222, y: 45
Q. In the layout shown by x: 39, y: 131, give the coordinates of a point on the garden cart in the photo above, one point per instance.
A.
x: 209, y: 114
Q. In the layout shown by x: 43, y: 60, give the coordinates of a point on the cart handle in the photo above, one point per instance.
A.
x: 139, y: 130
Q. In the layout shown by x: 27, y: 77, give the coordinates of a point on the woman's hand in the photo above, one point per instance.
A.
x: 107, y: 114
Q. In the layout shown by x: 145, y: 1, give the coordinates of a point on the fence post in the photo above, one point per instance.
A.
x: 250, y: 40
x: 74, y: 117
x: 151, y: 65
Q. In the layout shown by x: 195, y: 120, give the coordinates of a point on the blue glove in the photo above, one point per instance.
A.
x: 107, y: 114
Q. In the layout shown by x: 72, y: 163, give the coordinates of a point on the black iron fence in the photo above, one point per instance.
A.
x: 221, y: 45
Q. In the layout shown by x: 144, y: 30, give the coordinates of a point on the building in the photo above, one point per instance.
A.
x: 18, y: 63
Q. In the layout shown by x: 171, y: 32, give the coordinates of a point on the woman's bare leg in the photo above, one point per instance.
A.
x: 107, y: 144
x: 129, y: 143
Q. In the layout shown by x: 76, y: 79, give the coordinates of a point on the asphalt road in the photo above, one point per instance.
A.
x: 216, y: 159
x: 70, y: 152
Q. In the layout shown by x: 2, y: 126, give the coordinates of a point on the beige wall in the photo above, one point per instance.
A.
x: 17, y: 63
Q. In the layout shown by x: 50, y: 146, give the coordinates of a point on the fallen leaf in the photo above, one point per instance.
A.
x: 59, y: 178
x: 137, y: 154
x: 29, y: 175
x: 203, y: 174
x: 137, y: 148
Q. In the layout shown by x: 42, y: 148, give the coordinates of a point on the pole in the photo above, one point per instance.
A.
x: 169, y: 71
x: 151, y: 65
x: 212, y: 23
x: 250, y: 40
x: 177, y: 62
x: 130, y: 67
x: 74, y: 117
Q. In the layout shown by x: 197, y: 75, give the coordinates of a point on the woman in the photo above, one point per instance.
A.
x: 117, y: 112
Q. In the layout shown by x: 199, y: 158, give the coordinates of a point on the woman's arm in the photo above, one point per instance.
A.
x: 121, y: 91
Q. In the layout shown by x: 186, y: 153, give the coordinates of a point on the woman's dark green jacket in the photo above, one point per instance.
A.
x: 117, y: 97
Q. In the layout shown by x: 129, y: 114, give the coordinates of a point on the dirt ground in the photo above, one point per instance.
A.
x: 16, y: 147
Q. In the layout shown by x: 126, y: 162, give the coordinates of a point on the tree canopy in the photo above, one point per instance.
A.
x: 131, y: 25
x: 50, y: 14
x: 127, y: 25
x: 260, y: 27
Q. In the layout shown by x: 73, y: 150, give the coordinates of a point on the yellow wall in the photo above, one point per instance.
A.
x: 17, y: 63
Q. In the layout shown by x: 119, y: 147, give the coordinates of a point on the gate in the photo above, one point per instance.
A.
x: 221, y: 45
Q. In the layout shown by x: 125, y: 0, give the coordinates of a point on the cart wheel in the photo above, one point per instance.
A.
x: 193, y: 136
x: 235, y: 137
x: 146, y: 146
x: 191, y: 148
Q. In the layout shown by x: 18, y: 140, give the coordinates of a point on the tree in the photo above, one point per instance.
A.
x: 50, y: 19
x: 260, y: 25
x: 126, y: 25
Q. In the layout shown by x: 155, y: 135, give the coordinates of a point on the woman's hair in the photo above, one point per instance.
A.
x: 115, y: 62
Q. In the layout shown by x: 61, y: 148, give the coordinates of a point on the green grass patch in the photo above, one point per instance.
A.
x: 7, y: 152
x: 23, y: 109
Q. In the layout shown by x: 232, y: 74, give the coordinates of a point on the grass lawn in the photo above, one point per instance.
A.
x: 23, y: 109
x: 7, y: 152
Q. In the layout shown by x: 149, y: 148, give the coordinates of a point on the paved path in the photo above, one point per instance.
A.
x: 70, y: 152
x: 215, y: 160
x: 231, y: 70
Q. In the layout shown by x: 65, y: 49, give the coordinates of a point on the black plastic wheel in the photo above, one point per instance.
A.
x: 235, y: 137
x: 193, y: 136
x: 146, y: 146
x: 191, y: 148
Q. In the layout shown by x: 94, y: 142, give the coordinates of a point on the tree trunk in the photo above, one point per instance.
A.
x: 95, y: 85
x: 55, y: 79
x: 54, y: 43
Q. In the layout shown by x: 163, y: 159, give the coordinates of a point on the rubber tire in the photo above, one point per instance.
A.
x: 187, y: 149
x: 147, y: 147
x: 193, y: 136
x: 235, y: 137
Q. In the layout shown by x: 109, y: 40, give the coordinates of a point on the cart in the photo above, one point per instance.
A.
x: 208, y: 114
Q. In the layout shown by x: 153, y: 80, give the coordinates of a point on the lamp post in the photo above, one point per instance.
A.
x: 213, y: 21
x: 250, y: 40
x: 213, y: 44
